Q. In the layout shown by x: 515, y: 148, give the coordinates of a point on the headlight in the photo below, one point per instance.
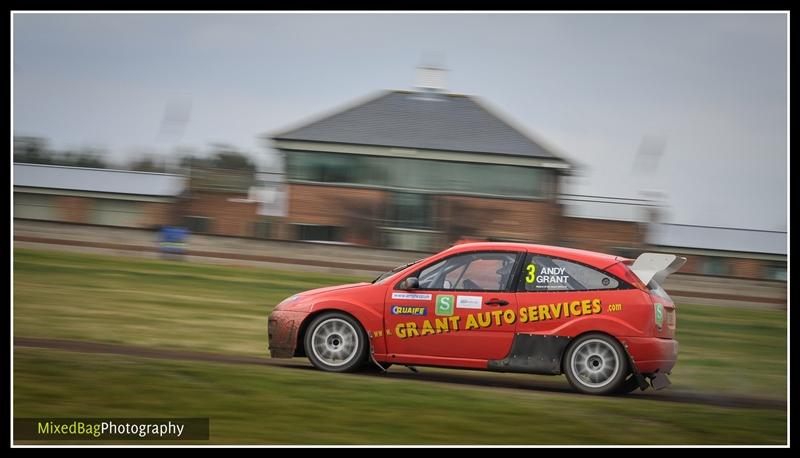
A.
x: 287, y: 301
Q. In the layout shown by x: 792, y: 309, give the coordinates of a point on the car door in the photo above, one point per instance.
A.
x: 464, y: 307
x: 553, y: 291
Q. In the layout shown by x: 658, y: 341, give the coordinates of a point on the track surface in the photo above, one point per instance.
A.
x: 472, y: 378
x: 344, y: 265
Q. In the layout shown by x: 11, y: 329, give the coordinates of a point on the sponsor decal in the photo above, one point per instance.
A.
x: 531, y: 277
x: 482, y: 320
x: 409, y: 310
x: 412, y: 296
x: 544, y: 312
x: 444, y: 304
x: 469, y: 302
x: 659, y: 315
x: 546, y: 277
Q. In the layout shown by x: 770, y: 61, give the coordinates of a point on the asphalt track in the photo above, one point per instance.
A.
x: 470, y: 378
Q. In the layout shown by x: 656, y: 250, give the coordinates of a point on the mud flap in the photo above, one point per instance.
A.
x: 643, y: 385
x: 659, y: 381
x: 372, y: 355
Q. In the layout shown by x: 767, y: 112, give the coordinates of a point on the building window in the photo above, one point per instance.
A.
x: 198, y: 224
x: 408, y: 210
x: 716, y: 266
x: 323, y: 168
x: 261, y: 229
x: 317, y: 233
x: 35, y: 206
x: 420, y: 174
x: 775, y: 272
x: 112, y: 212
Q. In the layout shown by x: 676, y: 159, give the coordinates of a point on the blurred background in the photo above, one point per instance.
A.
x: 346, y: 144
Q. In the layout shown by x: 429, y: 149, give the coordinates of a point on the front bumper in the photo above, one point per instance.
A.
x: 652, y: 354
x: 282, y: 329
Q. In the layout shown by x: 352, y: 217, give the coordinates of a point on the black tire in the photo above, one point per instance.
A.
x: 596, y: 364
x: 336, y: 342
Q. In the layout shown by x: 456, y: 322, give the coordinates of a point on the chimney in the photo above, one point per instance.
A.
x: 431, y: 79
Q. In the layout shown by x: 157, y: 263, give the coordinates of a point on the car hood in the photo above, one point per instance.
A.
x: 327, y: 289
x: 303, y: 301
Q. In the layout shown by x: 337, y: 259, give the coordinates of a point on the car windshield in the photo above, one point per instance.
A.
x: 388, y: 274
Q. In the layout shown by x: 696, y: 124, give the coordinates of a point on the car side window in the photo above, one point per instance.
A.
x: 489, y: 271
x: 545, y: 273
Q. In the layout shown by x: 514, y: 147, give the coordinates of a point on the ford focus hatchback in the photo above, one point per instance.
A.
x: 603, y: 321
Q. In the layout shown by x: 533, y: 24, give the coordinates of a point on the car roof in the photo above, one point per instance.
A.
x: 592, y: 258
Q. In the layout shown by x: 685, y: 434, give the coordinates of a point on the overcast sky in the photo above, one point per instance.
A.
x: 593, y: 86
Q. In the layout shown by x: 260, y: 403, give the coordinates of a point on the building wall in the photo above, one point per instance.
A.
x: 359, y: 210
x: 534, y: 221
x: 319, y: 204
x: 729, y: 266
x: 82, y: 210
x: 356, y: 210
x: 158, y: 213
x: 73, y: 209
x: 615, y: 237
x: 228, y: 216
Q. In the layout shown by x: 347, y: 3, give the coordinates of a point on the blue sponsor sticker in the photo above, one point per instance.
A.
x: 409, y: 310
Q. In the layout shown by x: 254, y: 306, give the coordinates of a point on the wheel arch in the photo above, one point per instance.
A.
x: 300, y: 349
x: 593, y: 331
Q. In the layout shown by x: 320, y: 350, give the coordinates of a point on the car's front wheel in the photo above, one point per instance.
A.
x: 596, y: 364
x: 335, y: 342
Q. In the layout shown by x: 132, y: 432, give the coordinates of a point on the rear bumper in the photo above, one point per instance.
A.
x: 282, y: 329
x: 652, y: 354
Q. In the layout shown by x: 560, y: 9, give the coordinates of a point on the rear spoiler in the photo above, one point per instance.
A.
x: 656, y: 266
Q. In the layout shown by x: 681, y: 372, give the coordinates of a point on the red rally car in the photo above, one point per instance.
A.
x: 604, y: 321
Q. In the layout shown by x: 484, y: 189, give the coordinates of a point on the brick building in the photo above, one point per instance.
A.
x: 418, y: 170
x: 95, y: 196
x: 724, y: 252
x: 217, y: 202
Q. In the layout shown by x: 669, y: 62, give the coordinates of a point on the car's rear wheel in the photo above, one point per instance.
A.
x: 335, y: 342
x: 596, y: 364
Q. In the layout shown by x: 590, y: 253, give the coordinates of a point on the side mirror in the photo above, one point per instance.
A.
x: 410, y: 283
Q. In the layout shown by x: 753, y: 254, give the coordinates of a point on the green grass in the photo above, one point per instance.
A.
x: 732, y: 350
x: 250, y: 404
x: 223, y: 309
x: 156, y: 303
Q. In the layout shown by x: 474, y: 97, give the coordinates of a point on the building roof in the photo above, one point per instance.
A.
x: 97, y: 180
x: 437, y: 121
x: 717, y: 238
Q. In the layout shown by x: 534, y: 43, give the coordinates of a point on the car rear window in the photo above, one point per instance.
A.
x: 545, y: 273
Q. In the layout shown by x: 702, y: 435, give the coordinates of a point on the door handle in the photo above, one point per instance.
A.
x: 500, y: 302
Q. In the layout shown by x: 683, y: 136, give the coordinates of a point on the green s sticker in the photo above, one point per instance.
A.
x: 444, y: 304
x: 659, y: 309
